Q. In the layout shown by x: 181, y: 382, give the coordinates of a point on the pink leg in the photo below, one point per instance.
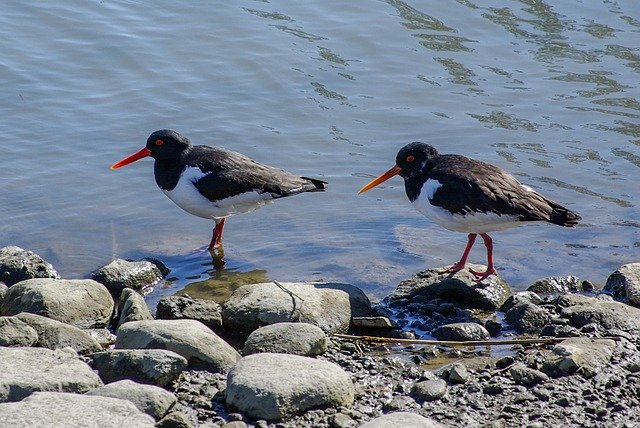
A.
x: 463, y: 260
x: 216, y: 239
x: 490, y: 268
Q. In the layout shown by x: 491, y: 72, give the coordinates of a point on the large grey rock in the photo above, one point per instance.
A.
x: 121, y: 274
x: 207, y: 312
x: 401, y: 420
x: 14, y: 332
x: 287, y: 338
x: 152, y: 366
x: 583, y: 310
x: 132, y: 307
x: 152, y: 400
x: 624, y: 284
x: 461, y: 331
x: 329, y: 306
x: 272, y: 386
x: 429, y: 390
x: 193, y: 340
x: 64, y: 410
x: 80, y: 302
x: 527, y: 318
x: 459, y: 288
x: 17, y: 264
x: 580, y: 353
x: 54, y: 334
x: 26, y: 370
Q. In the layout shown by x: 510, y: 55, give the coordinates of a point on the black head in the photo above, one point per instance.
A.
x: 413, y: 158
x: 166, y: 144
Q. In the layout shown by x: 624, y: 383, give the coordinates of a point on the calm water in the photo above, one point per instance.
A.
x: 330, y: 89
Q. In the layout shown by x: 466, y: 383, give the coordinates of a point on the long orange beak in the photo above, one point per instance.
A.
x: 134, y: 157
x: 384, y: 177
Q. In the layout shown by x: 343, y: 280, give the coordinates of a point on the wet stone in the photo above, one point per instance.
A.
x: 17, y: 264
x: 121, y: 274
x: 429, y: 390
x: 462, y: 331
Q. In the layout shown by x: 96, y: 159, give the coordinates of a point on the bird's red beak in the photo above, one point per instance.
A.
x: 134, y: 157
x: 381, y: 179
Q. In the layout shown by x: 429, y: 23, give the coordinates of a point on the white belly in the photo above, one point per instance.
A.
x: 471, y: 222
x: 187, y: 197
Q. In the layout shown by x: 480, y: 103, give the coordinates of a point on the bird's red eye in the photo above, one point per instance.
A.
x: 159, y: 142
x: 410, y: 158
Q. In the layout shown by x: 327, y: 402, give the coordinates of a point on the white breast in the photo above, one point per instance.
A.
x: 471, y: 222
x: 187, y: 197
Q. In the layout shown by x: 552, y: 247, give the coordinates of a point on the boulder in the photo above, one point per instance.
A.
x: 193, y: 340
x: 54, y: 334
x: 14, y: 332
x: 461, y: 331
x: 460, y: 288
x: 151, y: 366
x: 402, y: 420
x: 580, y: 353
x: 527, y: 318
x: 121, y: 274
x: 608, y: 315
x: 287, y: 338
x: 560, y: 284
x: 329, y: 306
x: 64, y: 410
x: 207, y: 312
x: 273, y: 386
x: 152, y: 400
x: 132, y: 307
x: 624, y: 283
x: 80, y: 302
x: 26, y: 370
x: 17, y: 264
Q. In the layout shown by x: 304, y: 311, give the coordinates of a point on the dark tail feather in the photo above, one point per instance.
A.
x: 320, y: 185
x: 564, y: 217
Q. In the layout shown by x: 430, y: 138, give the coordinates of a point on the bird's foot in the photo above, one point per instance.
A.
x: 480, y: 276
x: 456, y: 267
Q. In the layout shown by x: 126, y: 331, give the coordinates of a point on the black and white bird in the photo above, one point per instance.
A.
x: 471, y: 196
x: 215, y: 183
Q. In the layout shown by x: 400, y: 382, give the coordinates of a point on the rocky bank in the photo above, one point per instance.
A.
x: 89, y: 352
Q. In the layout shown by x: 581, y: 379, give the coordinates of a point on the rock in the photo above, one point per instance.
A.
x: 63, y: 410
x: 557, y: 284
x: 583, y: 310
x: 458, y: 373
x: 14, y: 332
x: 624, y: 284
x: 272, y: 386
x: 3, y: 291
x: 132, y: 307
x: 287, y: 338
x: 152, y: 400
x: 207, y: 312
x: 121, y: 274
x: 174, y: 419
x: 402, y: 420
x: 429, y: 390
x: 461, y: 331
x: 459, y: 288
x: 340, y: 420
x: 527, y: 318
x: 329, y: 306
x: 373, y: 322
x: 523, y: 375
x: 193, y: 340
x: 17, y: 264
x: 521, y: 297
x: 580, y: 353
x: 54, y: 334
x: 151, y: 366
x: 80, y: 302
x: 26, y: 370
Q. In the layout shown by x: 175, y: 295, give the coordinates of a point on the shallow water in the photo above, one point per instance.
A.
x: 329, y: 89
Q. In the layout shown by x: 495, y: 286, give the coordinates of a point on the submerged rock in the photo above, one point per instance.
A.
x: 17, y: 264
x: 459, y: 288
x: 329, y: 306
x: 83, y: 303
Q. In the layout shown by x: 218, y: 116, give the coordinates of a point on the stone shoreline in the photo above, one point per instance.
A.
x: 89, y: 352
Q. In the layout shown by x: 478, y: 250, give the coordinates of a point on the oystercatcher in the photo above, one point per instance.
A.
x: 215, y: 183
x: 471, y: 196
